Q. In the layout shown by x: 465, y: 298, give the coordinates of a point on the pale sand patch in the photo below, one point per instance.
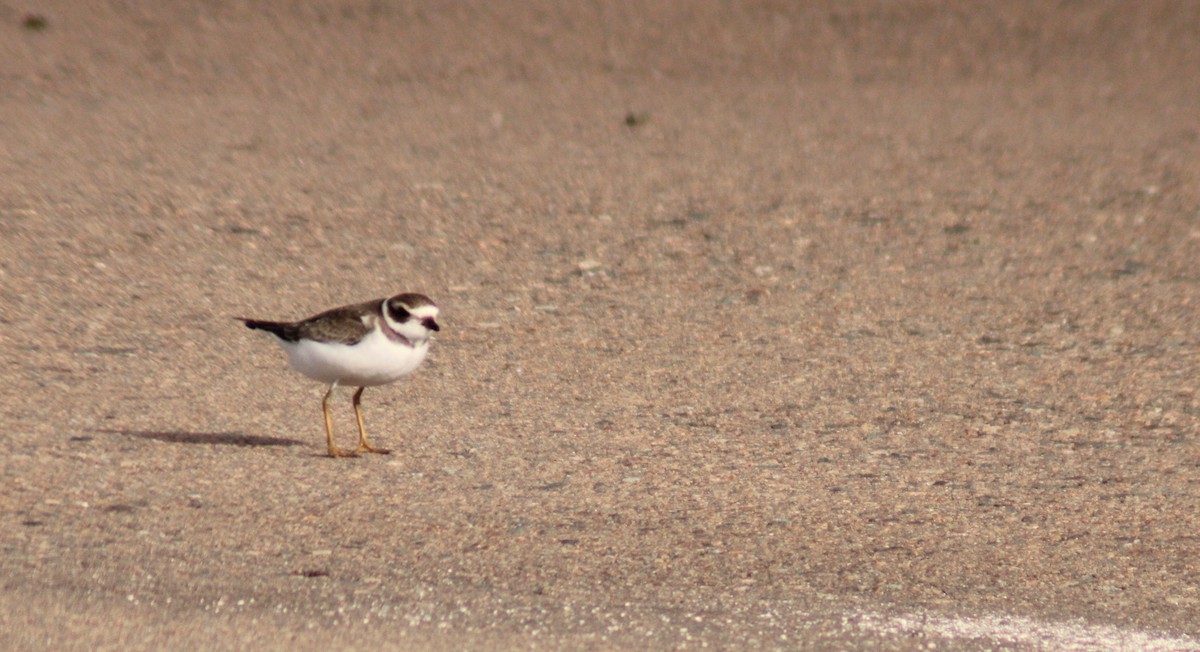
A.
x: 1072, y: 636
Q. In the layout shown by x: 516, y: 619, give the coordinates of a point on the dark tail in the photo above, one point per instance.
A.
x: 284, y: 331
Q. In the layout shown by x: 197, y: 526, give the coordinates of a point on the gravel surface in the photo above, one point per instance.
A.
x: 845, y: 325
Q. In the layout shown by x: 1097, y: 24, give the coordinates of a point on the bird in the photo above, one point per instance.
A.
x: 360, y: 345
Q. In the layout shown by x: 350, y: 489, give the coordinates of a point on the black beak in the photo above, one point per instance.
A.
x: 430, y: 324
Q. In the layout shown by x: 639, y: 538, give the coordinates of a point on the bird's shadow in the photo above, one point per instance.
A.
x: 218, y: 438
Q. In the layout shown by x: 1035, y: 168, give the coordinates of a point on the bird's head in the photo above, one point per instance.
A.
x: 412, y: 315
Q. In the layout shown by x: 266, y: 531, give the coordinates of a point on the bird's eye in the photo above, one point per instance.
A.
x: 398, y: 313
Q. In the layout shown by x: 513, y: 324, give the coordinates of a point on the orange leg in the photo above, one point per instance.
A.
x: 364, y: 444
x: 333, y: 449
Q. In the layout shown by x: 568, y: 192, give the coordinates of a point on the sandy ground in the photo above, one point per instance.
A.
x: 843, y: 325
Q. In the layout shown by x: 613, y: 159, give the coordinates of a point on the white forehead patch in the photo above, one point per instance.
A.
x: 425, y: 311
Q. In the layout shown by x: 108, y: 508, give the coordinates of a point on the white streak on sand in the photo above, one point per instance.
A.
x: 1066, y: 636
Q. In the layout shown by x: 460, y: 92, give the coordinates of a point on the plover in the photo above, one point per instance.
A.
x: 362, y: 345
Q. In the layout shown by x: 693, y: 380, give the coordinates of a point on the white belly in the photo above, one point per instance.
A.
x: 375, y: 360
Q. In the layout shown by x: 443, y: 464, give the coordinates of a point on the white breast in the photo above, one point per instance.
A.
x: 375, y: 360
